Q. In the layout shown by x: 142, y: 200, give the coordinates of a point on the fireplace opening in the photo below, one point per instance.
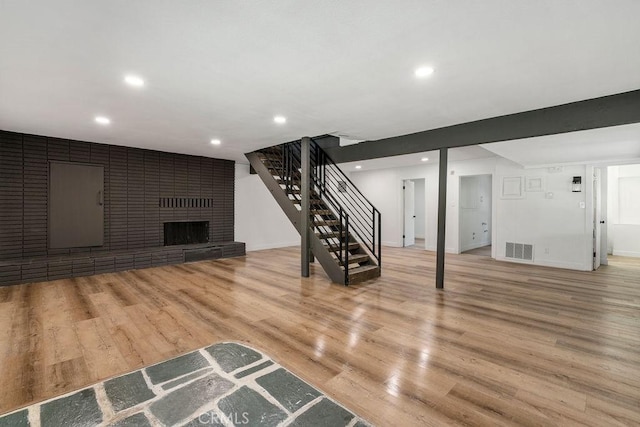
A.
x: 186, y: 232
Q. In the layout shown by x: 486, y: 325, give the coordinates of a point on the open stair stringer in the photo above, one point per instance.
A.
x: 324, y: 257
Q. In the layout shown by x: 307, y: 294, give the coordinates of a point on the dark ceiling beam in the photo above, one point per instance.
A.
x: 612, y: 110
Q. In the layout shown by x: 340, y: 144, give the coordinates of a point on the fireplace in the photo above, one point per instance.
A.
x: 186, y: 232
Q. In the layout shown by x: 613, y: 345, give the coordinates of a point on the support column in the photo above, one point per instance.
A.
x: 442, y: 216
x: 305, y: 247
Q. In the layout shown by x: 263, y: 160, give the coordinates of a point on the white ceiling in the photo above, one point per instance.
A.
x: 223, y: 69
x: 415, y: 159
x: 613, y: 145
x: 608, y: 146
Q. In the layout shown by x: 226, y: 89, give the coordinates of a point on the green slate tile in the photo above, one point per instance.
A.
x: 79, y: 409
x: 127, y: 391
x: 184, y: 403
x: 254, y: 369
x: 289, y: 390
x: 17, y: 419
x: 186, y: 378
x: 323, y: 414
x: 231, y: 356
x: 137, y: 420
x: 247, y: 407
x: 177, y: 367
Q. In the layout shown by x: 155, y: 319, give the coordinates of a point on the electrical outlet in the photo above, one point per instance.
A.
x: 546, y: 251
x: 583, y: 205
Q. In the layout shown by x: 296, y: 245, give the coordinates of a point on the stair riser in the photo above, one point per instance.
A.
x: 362, y: 276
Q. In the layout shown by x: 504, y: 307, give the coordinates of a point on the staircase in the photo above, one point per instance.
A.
x: 344, y: 227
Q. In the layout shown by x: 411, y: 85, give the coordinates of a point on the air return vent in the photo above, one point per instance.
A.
x: 521, y: 251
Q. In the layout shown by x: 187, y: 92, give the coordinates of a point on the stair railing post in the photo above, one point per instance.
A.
x: 442, y: 216
x: 304, y: 194
x: 285, y: 169
x: 340, y: 232
x: 346, y: 248
x: 373, y: 232
x: 379, y: 239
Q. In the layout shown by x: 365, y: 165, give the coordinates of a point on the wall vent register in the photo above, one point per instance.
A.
x: 185, y: 202
x: 521, y: 251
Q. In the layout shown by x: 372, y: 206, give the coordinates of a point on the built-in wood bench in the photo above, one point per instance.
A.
x: 39, y: 269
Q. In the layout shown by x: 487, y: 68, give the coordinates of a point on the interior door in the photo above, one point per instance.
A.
x: 76, y: 211
x: 597, y: 217
x: 409, y: 192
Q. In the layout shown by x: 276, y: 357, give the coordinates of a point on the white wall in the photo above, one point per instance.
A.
x: 559, y: 228
x: 259, y: 221
x: 622, y: 230
x: 383, y: 187
x: 420, y: 201
x: 475, y: 211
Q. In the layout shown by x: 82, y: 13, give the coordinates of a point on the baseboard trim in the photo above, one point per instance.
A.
x: 553, y: 264
x: 251, y: 248
x: 476, y: 246
x: 626, y: 253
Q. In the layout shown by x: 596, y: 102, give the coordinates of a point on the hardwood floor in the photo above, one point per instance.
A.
x: 503, y: 344
x: 482, y: 251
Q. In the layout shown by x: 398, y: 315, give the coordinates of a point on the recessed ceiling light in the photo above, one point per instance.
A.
x: 135, y: 81
x: 358, y: 167
x: 216, y: 142
x: 102, y: 120
x: 424, y: 159
x: 280, y: 119
x: 424, y: 72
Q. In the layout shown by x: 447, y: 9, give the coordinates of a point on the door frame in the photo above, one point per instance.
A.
x: 493, y: 211
x: 400, y: 211
x: 404, y: 218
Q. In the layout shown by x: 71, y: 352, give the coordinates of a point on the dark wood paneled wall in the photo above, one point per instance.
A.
x: 135, y: 181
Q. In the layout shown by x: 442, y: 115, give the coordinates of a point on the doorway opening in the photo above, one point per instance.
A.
x: 620, y: 205
x: 598, y: 221
x: 414, y: 213
x: 475, y: 209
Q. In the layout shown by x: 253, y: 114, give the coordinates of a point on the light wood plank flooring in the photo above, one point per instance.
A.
x: 503, y: 344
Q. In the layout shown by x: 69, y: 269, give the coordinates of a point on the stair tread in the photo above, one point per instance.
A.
x: 352, y: 245
x: 356, y: 258
x: 363, y: 273
x: 331, y: 234
x: 316, y: 201
x: 360, y: 269
x: 329, y: 222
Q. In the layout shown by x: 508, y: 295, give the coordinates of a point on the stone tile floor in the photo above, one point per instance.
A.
x: 226, y: 384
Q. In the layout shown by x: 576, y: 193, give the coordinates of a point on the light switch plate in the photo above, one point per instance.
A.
x: 583, y: 205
